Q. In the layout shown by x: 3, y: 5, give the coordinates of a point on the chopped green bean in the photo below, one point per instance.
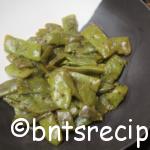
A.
x: 61, y: 74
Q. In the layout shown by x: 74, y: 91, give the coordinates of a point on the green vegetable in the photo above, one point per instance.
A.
x: 86, y: 84
x: 20, y: 47
x: 8, y: 87
x: 94, y: 35
x: 97, y: 38
x: 82, y: 121
x: 63, y: 116
x: 106, y: 47
x: 73, y: 109
x: 106, y: 87
x: 56, y: 38
x: 52, y: 27
x: 56, y: 61
x: 11, y: 57
x: 61, y: 74
x: 87, y: 69
x: 33, y: 103
x: 47, y: 53
x: 70, y: 24
x: 51, y: 121
x: 113, y: 69
x: 72, y: 47
x: 90, y: 113
x: 81, y: 60
x: 112, y: 99
x: 121, y: 45
x: 61, y: 88
x: 13, y: 71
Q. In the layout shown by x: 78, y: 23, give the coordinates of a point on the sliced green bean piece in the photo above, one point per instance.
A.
x: 87, y: 69
x: 73, y: 109
x: 53, y: 27
x: 33, y: 103
x: 82, y: 121
x: 61, y: 88
x: 121, y: 45
x: 51, y: 121
x: 13, y: 71
x: 47, y: 53
x: 81, y: 60
x: 22, y: 62
x: 72, y: 47
x: 56, y: 61
x: 106, y: 87
x: 38, y: 85
x: 87, y: 87
x: 63, y: 116
x: 65, y: 75
x: 28, y: 49
x: 87, y: 47
x: 113, y: 69
x: 111, y: 100
x: 59, y: 51
x: 117, y: 95
x: 56, y: 38
x: 98, y: 39
x: 8, y: 87
x: 90, y: 113
x: 70, y: 24
x: 11, y: 57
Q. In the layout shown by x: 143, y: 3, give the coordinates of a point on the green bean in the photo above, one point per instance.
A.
x: 121, y: 45
x: 8, y: 87
x: 47, y: 53
x: 61, y: 74
x: 113, y: 69
x: 112, y: 99
x: 86, y: 84
x: 20, y: 47
x: 63, y: 116
x: 13, y: 71
x: 81, y: 60
x: 56, y: 38
x: 105, y: 87
x: 99, y: 69
x: 52, y: 27
x: 70, y: 24
x: 62, y: 88
x: 73, y: 110
x: 97, y: 38
x: 51, y: 121
x: 82, y: 121
x: 90, y: 113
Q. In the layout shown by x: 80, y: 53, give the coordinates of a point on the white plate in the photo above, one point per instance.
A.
x: 22, y: 18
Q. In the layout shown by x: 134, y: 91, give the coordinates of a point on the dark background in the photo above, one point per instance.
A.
x: 144, y: 146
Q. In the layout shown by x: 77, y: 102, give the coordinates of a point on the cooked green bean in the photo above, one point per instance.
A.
x: 61, y: 88
x: 51, y: 121
x: 20, y: 47
x: 112, y: 99
x: 113, y: 69
x: 8, y: 87
x: 13, y: 71
x: 61, y: 74
x: 86, y: 84
x: 70, y: 24
x: 63, y: 116
x: 99, y: 69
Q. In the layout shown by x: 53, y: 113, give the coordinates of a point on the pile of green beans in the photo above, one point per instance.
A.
x: 61, y: 74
